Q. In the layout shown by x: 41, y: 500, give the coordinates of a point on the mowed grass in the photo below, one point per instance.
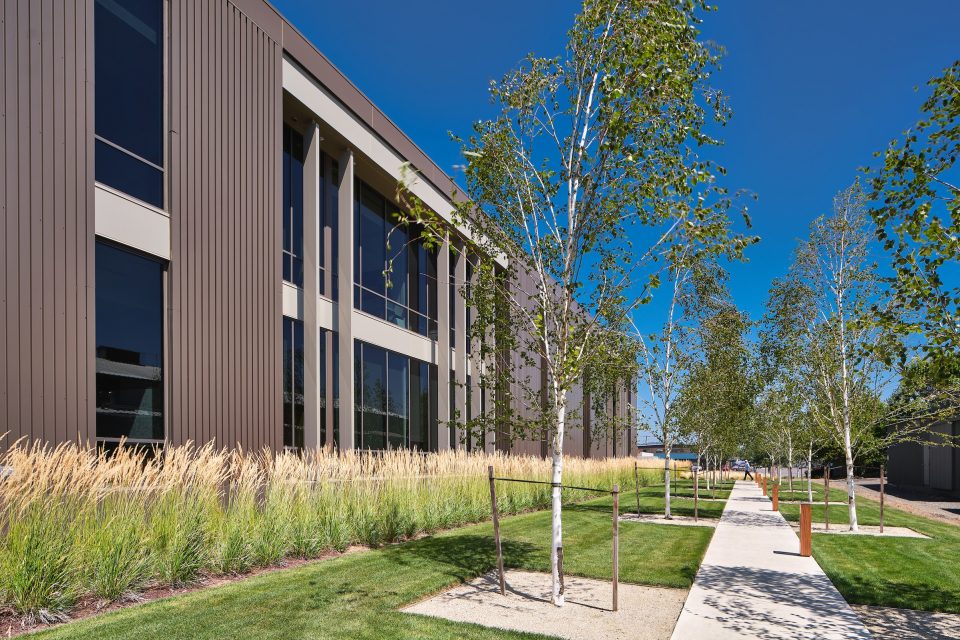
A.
x: 838, y: 492
x: 681, y: 502
x: 356, y: 596
x: 908, y: 573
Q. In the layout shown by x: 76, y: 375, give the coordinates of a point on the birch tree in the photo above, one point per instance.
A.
x: 580, y: 184
x: 825, y: 307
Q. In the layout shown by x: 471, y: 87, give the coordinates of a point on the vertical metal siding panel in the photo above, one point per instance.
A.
x: 225, y: 260
x: 9, y: 401
x: 261, y: 275
x: 71, y: 208
x: 230, y: 227
x: 46, y: 205
x: 241, y: 235
x: 23, y: 227
x: 35, y: 274
x: 216, y: 54
x: 47, y: 222
x: 4, y: 419
x: 192, y: 219
x: 202, y: 206
x: 247, y: 152
x: 59, y: 228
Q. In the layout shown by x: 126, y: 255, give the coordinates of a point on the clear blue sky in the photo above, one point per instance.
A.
x: 815, y: 86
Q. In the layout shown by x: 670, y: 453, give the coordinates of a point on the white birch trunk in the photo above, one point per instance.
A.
x: 851, y: 486
x: 790, y: 463
x: 809, y: 473
x: 556, y: 539
x: 666, y: 483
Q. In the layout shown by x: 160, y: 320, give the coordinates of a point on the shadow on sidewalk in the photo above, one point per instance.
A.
x: 777, y: 604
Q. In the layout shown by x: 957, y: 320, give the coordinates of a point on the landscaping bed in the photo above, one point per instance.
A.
x: 358, y: 595
x: 81, y: 530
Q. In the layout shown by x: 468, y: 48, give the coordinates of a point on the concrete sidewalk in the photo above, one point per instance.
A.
x: 754, y: 584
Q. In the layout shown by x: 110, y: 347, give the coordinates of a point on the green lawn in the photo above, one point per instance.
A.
x: 894, y: 572
x: 838, y: 492
x: 356, y: 596
x: 681, y: 502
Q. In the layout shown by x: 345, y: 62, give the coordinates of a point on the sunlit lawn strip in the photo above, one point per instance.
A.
x: 894, y: 572
x: 357, y: 596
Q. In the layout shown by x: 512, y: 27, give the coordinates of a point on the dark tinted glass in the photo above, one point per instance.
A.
x: 398, y: 398
x: 293, y: 384
x: 124, y: 172
x: 372, y: 242
x: 374, y: 397
x: 129, y: 354
x: 399, y: 276
x: 128, y: 53
x: 292, y: 206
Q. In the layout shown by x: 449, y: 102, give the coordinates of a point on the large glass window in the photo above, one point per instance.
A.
x: 128, y: 63
x: 410, y: 300
x: 292, y: 206
x: 395, y: 400
x: 129, y: 345
x: 292, y: 383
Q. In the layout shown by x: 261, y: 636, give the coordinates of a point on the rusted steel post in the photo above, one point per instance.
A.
x: 496, y: 531
x: 636, y: 482
x: 882, y: 492
x: 616, y: 544
x: 806, y: 526
x: 826, y: 498
x: 776, y: 497
x: 764, y: 486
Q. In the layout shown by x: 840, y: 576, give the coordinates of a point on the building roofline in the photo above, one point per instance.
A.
x: 314, y: 62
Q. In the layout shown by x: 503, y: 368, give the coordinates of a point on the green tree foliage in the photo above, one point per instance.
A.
x: 584, y: 187
x: 917, y: 215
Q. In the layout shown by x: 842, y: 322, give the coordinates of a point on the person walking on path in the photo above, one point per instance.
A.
x: 746, y: 472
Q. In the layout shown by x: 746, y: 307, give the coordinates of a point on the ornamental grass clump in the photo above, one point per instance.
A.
x: 77, y: 524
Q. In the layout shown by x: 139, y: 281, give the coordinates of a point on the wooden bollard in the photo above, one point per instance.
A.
x: 806, y: 533
x: 776, y: 497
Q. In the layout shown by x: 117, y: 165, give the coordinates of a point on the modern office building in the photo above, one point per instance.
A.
x: 195, y: 211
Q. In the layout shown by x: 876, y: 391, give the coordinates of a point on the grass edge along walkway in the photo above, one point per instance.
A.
x: 357, y: 595
x: 753, y: 583
x: 906, y: 573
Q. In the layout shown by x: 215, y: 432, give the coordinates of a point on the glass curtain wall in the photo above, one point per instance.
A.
x: 395, y: 400
x: 292, y: 206
x: 293, y: 387
x: 129, y: 345
x: 129, y: 104
x: 410, y: 300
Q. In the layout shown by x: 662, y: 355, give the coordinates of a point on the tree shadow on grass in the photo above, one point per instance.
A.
x: 896, y: 593
x: 463, y: 557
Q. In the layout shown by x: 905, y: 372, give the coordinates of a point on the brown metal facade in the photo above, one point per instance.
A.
x: 224, y: 295
x: 225, y: 91
x: 46, y: 234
